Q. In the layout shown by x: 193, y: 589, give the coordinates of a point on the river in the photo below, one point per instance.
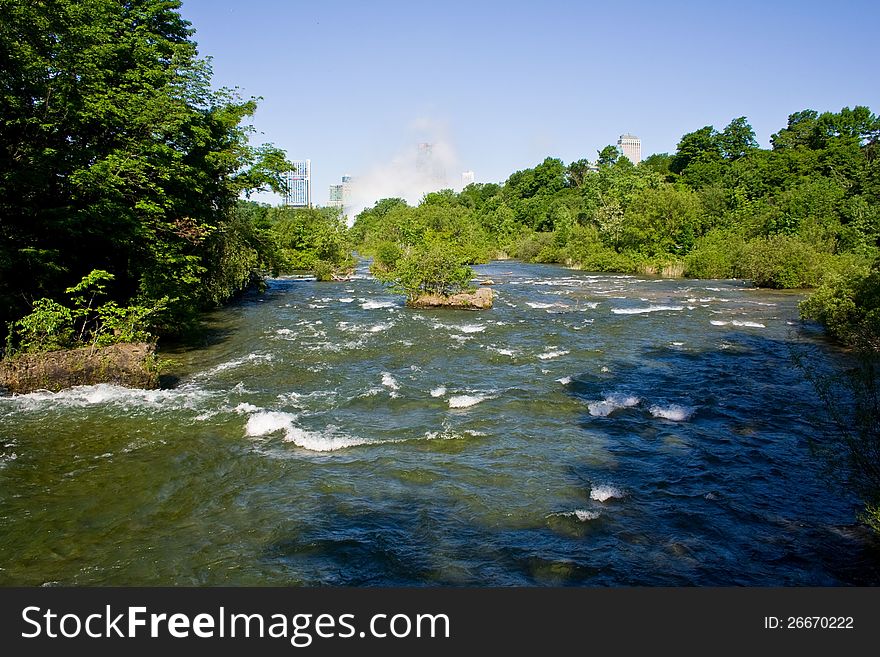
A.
x: 590, y: 429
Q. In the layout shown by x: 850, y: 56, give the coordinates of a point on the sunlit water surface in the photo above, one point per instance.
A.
x: 588, y: 430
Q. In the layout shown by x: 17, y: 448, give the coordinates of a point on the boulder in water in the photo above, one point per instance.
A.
x: 127, y: 364
x: 476, y: 300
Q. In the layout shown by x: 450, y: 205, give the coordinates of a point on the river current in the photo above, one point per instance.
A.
x: 590, y: 429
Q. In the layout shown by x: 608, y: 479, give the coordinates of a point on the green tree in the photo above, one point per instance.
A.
x: 663, y: 220
x: 576, y: 172
x: 313, y: 239
x: 113, y: 140
x: 699, y: 146
x: 608, y: 156
x: 659, y: 163
x: 737, y: 139
x: 433, y: 267
x: 799, y: 133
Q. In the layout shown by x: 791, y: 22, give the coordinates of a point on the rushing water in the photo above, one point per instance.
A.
x: 588, y: 430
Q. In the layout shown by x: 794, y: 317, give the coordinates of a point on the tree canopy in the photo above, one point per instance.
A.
x: 117, y: 155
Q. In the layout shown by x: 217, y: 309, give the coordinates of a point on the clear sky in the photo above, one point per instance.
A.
x: 353, y: 86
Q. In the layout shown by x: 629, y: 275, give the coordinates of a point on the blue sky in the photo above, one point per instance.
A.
x: 354, y: 86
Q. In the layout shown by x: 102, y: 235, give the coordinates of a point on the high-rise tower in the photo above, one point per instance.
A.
x: 299, y: 185
x: 630, y: 146
x: 340, y: 195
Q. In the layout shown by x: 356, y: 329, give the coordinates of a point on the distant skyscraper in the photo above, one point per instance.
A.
x: 299, y: 185
x: 340, y: 195
x: 428, y: 168
x: 467, y: 178
x: 336, y: 194
x: 631, y: 147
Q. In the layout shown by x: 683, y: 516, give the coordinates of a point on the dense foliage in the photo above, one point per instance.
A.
x: 312, y: 239
x: 116, y: 155
x: 87, y: 319
x: 433, y: 267
x: 802, y: 214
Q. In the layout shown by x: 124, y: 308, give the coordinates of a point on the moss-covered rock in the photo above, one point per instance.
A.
x: 477, y: 300
x: 126, y: 364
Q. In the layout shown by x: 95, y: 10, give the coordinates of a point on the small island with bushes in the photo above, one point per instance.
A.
x: 432, y: 274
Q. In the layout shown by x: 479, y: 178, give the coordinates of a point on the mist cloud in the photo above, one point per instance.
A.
x: 426, y: 162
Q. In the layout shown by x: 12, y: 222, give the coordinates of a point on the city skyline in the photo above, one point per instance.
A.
x: 457, y: 74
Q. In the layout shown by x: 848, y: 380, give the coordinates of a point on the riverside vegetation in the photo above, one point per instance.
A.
x: 122, y: 173
x: 802, y: 214
x: 120, y: 176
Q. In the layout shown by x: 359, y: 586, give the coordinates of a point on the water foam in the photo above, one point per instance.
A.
x: 611, y: 403
x: 390, y: 382
x: 552, y: 353
x: 471, y: 328
x: 466, y: 401
x: 582, y: 515
x: 105, y: 394
x: 238, y: 362
x: 438, y: 392
x: 316, y: 441
x: 673, y: 412
x: 265, y: 423
x: 603, y: 493
x: 736, y: 322
x: 649, y: 309
x: 564, y: 380
x: 373, y: 305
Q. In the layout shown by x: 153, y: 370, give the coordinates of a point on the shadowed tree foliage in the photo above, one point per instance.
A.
x: 116, y: 154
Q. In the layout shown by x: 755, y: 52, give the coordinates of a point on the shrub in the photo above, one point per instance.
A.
x: 715, y: 255
x: 531, y: 245
x: 848, y: 304
x: 51, y: 325
x: 780, y: 261
x: 324, y: 270
x: 435, y: 267
x: 602, y: 258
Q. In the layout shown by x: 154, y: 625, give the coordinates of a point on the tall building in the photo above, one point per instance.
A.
x: 630, y: 146
x: 340, y: 195
x: 428, y: 167
x: 467, y: 178
x: 299, y: 185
